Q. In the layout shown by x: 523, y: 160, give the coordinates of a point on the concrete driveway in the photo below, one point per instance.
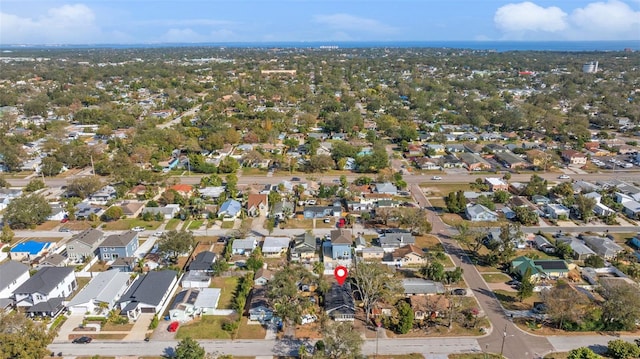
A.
x: 66, y: 329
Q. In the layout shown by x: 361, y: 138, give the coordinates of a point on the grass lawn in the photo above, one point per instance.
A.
x: 205, y: 327
x: 401, y: 356
x: 195, y: 224
x: 253, y: 331
x: 474, y: 356
x: 534, y: 254
x: 228, y: 287
x: 80, y: 225
x: 172, y: 224
x: 557, y: 356
x: 227, y: 224
x: 443, y: 189
x: 510, y: 301
x: 303, y: 223
x: 108, y: 327
x: 47, y: 226
x: 438, y: 203
x: 496, y: 277
x: 129, y: 223
x: 249, y: 171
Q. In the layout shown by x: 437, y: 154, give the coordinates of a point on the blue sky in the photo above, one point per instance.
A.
x: 154, y: 21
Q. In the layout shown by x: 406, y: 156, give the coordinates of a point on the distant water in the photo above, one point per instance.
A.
x: 499, y: 46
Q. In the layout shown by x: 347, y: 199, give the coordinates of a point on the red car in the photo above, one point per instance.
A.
x: 342, y: 222
x: 173, y: 327
x: 64, y: 220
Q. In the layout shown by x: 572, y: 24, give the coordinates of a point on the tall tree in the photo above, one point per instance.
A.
x: 415, y: 220
x: 22, y: 338
x: 563, y: 304
x: 526, y: 286
x: 585, y: 206
x: 284, y: 295
x: 188, y: 348
x: 173, y: 243
x: 84, y: 186
x: 621, y: 309
x: 341, y: 341
x: 27, y: 211
x: 373, y: 283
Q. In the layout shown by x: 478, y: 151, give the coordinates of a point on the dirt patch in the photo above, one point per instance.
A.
x: 308, y: 331
x: 47, y: 226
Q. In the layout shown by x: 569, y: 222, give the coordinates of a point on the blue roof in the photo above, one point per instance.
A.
x: 231, y: 207
x: 32, y: 247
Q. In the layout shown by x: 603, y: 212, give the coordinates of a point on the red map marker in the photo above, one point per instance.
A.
x: 341, y: 273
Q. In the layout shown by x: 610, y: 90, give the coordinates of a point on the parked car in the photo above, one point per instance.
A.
x: 513, y: 282
x: 82, y: 340
x: 295, y: 179
x: 173, y: 327
x: 459, y: 291
x: 436, y: 178
x: 564, y: 177
x: 327, y: 220
x: 342, y: 222
x: 308, y: 318
x: 64, y: 229
x: 138, y: 229
x: 64, y: 220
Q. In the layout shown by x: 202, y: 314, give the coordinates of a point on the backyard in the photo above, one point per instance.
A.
x: 227, y: 287
x: 129, y: 223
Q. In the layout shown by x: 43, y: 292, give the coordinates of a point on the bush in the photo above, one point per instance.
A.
x: 154, y: 322
x: 230, y: 326
x: 619, y: 349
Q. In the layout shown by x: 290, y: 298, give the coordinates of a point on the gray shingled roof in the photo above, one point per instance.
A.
x: 203, y: 261
x: 44, y: 280
x: 89, y: 237
x: 149, y: 288
x: 10, y: 271
x: 119, y: 240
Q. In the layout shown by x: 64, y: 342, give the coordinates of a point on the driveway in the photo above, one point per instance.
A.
x: 161, y: 332
x: 140, y: 327
x: 66, y: 329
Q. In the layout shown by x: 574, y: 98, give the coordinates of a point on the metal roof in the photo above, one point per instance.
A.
x: 104, y: 287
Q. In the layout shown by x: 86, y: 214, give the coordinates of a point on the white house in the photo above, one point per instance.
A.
x: 14, y: 274
x: 194, y: 302
x: 101, y: 293
x: 46, y: 284
x: 275, y: 246
x: 244, y: 246
x: 148, y: 294
x: 555, y: 210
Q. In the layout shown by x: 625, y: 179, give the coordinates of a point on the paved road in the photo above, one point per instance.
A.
x: 517, y: 344
x: 463, y: 177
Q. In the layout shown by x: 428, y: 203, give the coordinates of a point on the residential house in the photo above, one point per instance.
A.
x: 480, y: 213
x: 386, y: 188
x: 474, y: 162
x: 259, y: 309
x: 52, y: 260
x: 393, y: 240
x: 202, y: 262
x: 427, y: 164
x: 414, y: 151
x: 185, y: 190
x: 212, y: 192
x: 310, y: 212
x: 540, y: 200
x: 407, y: 255
x: 29, y: 250
x: 450, y: 161
x: 195, y: 279
x: 574, y: 157
x: 14, y: 274
x: 517, y: 238
x: 374, y: 253
x: 49, y: 286
x: 275, y: 246
x: 169, y: 211
x: 510, y: 160
x: 244, y: 246
x: 132, y: 209
x: 191, y: 303
x: 304, y: 248
x: 84, y: 245
x: 58, y: 212
x: 339, y: 304
x: 538, y: 158
x: 118, y: 245
x: 496, y: 184
x: 230, y: 210
x: 604, y: 247
x: 341, y: 243
x: 539, y: 268
x: 257, y: 204
x: 137, y: 192
x: 428, y: 306
x: 104, y: 195
x: 124, y: 264
x: 579, y: 249
x: 283, y: 209
x: 85, y: 210
x: 556, y: 210
x: 542, y: 244
x: 262, y: 276
x: 419, y: 286
x: 631, y: 209
x: 602, y: 210
x: 101, y: 294
x: 149, y: 293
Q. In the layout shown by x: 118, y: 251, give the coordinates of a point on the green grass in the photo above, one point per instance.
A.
x: 207, y: 327
x: 443, y: 189
x: 195, y: 224
x: 172, y: 224
x: 557, y: 356
x: 227, y: 224
x: 129, y: 223
x: 496, y: 278
x: 510, y: 301
x: 228, y: 287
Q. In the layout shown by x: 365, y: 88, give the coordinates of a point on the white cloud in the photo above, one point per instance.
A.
x: 346, y: 22
x: 182, y: 35
x: 185, y: 22
x: 527, y: 16
x: 64, y: 24
x: 612, y: 20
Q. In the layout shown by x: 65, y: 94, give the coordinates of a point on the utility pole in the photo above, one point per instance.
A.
x: 504, y: 337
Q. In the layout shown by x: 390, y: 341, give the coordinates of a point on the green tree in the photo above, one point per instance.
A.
x: 414, y: 219
x: 620, y: 349
x: 34, y: 185
x: 526, y: 286
x: 84, y: 186
x: 22, y: 337
x: 4, y: 183
x: 50, y: 166
x: 405, y: 317
x: 284, y: 295
x: 6, y: 236
x: 594, y: 261
x: 585, y: 206
x: 537, y: 185
x: 27, y: 211
x: 455, y: 202
x: 173, y: 244
x: 563, y: 250
x: 113, y: 213
x: 433, y: 271
x: 621, y: 309
x: 372, y: 283
x: 188, y: 348
x: 582, y: 353
x: 501, y: 196
x: 526, y: 216
x: 255, y: 260
x: 341, y: 341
